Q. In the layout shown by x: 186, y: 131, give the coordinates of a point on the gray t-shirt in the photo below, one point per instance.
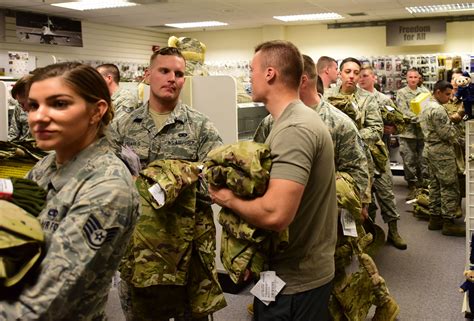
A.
x: 302, y: 152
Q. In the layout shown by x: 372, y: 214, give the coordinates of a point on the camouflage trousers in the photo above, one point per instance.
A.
x: 157, y: 303
x: 383, y: 190
x: 415, y: 166
x: 445, y: 194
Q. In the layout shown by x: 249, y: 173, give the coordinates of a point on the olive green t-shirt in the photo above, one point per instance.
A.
x: 159, y: 118
x: 302, y: 152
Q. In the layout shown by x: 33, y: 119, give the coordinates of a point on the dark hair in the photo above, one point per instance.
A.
x: 166, y: 51
x: 112, y: 70
x: 20, y: 87
x: 350, y: 59
x: 309, y: 68
x: 319, y: 85
x: 324, y: 62
x: 84, y: 80
x: 442, y: 85
x: 284, y: 56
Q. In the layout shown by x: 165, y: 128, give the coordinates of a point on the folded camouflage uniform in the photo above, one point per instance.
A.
x: 348, y: 196
x: 392, y: 115
x: 243, y: 167
x: 21, y: 243
x: 347, y: 104
x: 173, y: 236
x: 24, y: 193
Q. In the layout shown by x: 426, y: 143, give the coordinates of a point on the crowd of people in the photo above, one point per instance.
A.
x: 328, y: 126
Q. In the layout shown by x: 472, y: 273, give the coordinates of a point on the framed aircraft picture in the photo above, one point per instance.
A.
x: 42, y: 29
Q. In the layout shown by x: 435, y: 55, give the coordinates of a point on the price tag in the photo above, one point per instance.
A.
x: 268, y: 287
x: 348, y: 223
x: 157, y: 192
x: 6, y: 189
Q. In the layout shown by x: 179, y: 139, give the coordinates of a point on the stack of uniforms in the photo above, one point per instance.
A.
x: 17, y: 158
x: 244, y: 168
x: 174, y: 235
x: 21, y: 235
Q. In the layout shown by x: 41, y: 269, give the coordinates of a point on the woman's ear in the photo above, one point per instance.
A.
x: 98, y: 112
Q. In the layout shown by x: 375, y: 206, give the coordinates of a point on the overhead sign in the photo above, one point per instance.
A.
x: 416, y: 32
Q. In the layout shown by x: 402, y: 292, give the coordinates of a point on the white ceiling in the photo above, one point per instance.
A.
x: 237, y: 13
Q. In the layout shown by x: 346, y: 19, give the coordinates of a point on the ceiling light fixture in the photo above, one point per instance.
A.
x: 441, y: 8
x: 199, y: 24
x: 310, y: 17
x: 95, y: 4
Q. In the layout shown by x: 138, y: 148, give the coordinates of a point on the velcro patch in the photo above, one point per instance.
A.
x: 95, y: 234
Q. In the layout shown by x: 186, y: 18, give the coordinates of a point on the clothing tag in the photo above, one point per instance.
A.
x: 268, y: 287
x: 157, y: 192
x: 6, y: 189
x: 354, y: 266
x: 348, y: 223
x: 389, y: 108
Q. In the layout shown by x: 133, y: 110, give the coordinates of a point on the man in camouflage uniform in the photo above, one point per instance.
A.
x: 19, y: 128
x: 440, y: 136
x: 123, y: 100
x: 411, y: 140
x: 326, y: 67
x: 364, y: 105
x: 165, y: 128
x: 383, y: 183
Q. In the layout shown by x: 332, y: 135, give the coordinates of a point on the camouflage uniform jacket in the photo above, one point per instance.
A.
x: 243, y: 167
x: 372, y: 124
x: 173, y: 233
x: 90, y: 212
x: 124, y: 102
x: 349, y: 149
x: 404, y: 96
x: 187, y: 134
x: 440, y: 134
x: 19, y: 128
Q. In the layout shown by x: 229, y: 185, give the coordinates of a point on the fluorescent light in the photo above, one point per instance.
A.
x: 441, y: 8
x: 199, y: 24
x: 310, y: 17
x: 95, y: 4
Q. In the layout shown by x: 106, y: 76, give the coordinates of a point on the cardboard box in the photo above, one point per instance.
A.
x: 420, y: 101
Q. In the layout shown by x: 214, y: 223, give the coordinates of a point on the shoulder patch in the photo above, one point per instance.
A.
x: 95, y: 234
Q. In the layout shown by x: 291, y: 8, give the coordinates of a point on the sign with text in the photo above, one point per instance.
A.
x: 416, y: 32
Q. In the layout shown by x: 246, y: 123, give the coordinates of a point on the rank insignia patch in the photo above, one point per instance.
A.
x: 95, y: 234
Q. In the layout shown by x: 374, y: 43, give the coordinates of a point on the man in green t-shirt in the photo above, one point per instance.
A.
x: 301, y: 194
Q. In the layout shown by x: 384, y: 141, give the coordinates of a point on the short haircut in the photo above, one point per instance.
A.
x: 442, y: 85
x: 20, y: 87
x: 457, y: 71
x: 167, y: 51
x: 369, y: 68
x: 349, y: 59
x: 284, y: 56
x: 413, y: 70
x: 324, y: 62
x: 112, y: 70
x: 309, y: 68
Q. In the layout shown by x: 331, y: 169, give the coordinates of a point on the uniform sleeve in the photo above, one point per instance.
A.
x: 404, y: 104
x: 14, y: 131
x: 442, y: 125
x: 209, y: 139
x: 82, y: 254
x: 351, y: 157
x: 373, y: 124
x: 263, y: 129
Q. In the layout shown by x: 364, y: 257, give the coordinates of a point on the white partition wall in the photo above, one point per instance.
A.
x: 215, y: 96
x: 3, y: 111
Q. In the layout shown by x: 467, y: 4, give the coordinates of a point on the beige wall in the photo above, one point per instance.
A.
x: 100, y: 42
x: 317, y: 40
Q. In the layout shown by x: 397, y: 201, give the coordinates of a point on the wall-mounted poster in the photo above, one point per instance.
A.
x: 43, y: 29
